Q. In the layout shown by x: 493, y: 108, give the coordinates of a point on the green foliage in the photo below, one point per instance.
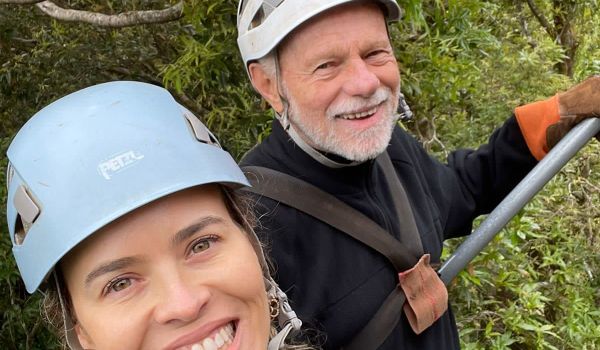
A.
x: 465, y: 65
x: 536, y: 286
x: 40, y: 61
x: 211, y: 72
x: 21, y: 325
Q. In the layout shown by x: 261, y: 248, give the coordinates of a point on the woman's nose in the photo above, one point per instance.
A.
x: 180, y: 300
x: 361, y: 81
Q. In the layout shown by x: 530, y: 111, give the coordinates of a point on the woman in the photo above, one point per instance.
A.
x: 121, y: 207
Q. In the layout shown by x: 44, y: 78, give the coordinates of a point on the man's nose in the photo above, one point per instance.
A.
x: 180, y: 300
x: 361, y: 80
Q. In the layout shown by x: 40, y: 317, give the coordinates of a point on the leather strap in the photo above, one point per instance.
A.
x: 403, y: 253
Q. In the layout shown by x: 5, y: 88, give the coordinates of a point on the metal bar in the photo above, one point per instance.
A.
x: 519, y: 196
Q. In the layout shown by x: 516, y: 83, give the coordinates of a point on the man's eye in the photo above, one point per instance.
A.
x: 324, y: 66
x: 118, y: 285
x: 376, y: 53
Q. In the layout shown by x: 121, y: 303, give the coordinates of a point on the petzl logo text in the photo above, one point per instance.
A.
x: 118, y: 163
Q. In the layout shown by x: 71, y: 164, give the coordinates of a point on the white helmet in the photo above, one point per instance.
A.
x: 262, y: 24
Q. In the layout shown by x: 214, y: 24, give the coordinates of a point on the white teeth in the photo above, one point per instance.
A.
x: 222, y: 337
x: 359, y: 115
x: 229, y: 330
x: 219, y: 340
x: 209, y: 344
x: 226, y: 335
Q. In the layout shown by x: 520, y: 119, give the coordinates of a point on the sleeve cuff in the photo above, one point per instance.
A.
x: 534, y: 119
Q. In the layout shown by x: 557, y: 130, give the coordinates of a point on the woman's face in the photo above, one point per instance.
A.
x: 175, y: 274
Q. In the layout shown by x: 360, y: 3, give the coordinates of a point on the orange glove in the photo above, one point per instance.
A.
x: 544, y: 123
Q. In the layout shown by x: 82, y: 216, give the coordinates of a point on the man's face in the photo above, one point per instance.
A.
x: 341, y: 81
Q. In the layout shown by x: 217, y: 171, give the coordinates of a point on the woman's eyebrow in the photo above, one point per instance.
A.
x: 183, y: 234
x: 179, y: 237
x: 109, y: 267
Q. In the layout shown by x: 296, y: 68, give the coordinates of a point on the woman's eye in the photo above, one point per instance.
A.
x: 202, y: 244
x: 118, y: 285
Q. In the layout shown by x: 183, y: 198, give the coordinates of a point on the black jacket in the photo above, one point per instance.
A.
x: 334, y: 282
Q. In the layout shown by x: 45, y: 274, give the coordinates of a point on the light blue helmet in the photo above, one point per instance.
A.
x: 98, y: 154
x: 95, y: 155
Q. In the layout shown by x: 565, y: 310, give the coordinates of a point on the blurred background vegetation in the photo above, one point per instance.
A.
x: 465, y: 65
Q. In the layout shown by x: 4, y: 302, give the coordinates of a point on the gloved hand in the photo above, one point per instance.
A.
x: 544, y: 123
x: 574, y: 105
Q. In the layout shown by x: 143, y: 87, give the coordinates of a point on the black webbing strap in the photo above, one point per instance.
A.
x: 379, y: 327
x: 381, y: 324
x: 311, y: 200
x: 409, y: 234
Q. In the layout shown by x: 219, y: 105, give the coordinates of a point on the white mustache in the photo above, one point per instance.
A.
x: 356, y: 104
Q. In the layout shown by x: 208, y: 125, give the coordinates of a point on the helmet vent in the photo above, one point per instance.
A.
x: 201, y: 133
x: 10, y: 171
x: 263, y: 11
x: 27, y: 211
x: 259, y: 17
x: 20, y: 231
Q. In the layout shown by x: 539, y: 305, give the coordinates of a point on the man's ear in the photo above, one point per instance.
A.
x: 266, y: 85
x: 84, y: 339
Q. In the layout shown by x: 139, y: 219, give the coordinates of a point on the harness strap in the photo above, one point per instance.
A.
x: 409, y: 234
x: 403, y: 254
x: 311, y: 200
x: 379, y: 327
x: 383, y: 322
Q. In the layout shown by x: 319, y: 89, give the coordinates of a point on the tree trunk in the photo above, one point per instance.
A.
x: 563, y: 13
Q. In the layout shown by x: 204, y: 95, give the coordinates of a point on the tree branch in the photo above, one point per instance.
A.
x: 20, y: 2
x: 125, y: 19
x: 525, y: 26
x: 540, y: 17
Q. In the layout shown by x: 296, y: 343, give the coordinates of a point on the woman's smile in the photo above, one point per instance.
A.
x: 175, y: 274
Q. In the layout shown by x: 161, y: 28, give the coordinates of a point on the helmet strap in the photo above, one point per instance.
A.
x: 288, y: 322
x: 284, y: 116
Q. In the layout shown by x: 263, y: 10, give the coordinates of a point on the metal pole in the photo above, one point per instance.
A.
x: 519, y: 196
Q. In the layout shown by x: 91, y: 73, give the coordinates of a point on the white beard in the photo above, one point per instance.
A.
x: 355, y: 145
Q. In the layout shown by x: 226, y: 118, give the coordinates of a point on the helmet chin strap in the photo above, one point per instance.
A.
x: 288, y: 322
x: 311, y: 151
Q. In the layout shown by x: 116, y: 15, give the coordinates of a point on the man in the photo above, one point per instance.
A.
x: 327, y: 69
